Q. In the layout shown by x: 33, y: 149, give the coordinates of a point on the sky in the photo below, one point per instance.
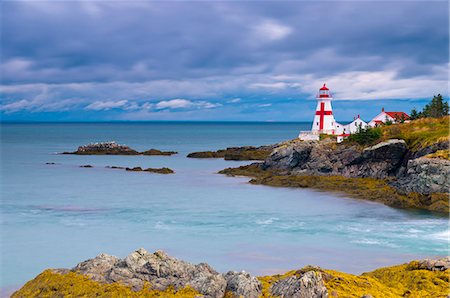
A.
x: 219, y: 60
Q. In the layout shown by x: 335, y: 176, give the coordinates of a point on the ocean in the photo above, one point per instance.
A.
x: 54, y: 216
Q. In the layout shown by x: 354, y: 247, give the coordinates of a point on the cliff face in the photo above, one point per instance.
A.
x: 390, y: 159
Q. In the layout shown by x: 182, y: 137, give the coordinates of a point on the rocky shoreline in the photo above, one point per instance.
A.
x: 398, y: 173
x: 144, y: 274
x: 112, y: 148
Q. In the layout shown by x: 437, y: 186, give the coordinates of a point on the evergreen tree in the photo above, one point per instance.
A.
x: 436, y: 108
x: 414, y: 114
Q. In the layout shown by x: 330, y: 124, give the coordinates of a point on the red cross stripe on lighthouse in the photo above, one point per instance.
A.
x: 322, y: 114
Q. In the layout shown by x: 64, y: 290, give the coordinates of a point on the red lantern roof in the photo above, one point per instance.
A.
x: 324, y: 87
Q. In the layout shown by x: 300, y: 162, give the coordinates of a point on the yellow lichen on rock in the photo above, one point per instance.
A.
x: 405, y: 280
x: 52, y: 284
x: 410, y: 281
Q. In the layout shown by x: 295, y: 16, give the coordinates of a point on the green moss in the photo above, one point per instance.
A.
x: 52, y: 284
x: 361, y: 188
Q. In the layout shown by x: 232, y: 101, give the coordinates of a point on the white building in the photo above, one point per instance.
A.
x: 384, y: 116
x: 356, y: 125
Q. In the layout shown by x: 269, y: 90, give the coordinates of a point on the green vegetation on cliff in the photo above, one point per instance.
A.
x: 417, y: 134
x: 363, y: 188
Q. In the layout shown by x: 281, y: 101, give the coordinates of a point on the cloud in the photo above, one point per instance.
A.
x: 106, y: 105
x: 270, y: 30
x: 15, y: 106
x: 79, y: 56
x: 184, y: 103
x: 173, y: 104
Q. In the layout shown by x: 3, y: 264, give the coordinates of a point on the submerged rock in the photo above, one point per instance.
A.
x: 150, y: 170
x: 86, y: 166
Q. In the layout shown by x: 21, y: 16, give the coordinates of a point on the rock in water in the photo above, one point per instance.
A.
x: 242, y: 284
x: 159, y: 269
x: 308, y: 285
x: 104, y: 148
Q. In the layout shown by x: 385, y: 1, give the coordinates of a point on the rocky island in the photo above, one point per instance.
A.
x: 112, y: 148
x: 144, y: 274
x: 163, y: 170
x: 236, y: 153
x: 406, y: 166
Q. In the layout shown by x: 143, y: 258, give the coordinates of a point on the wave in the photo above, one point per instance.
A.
x: 267, y: 221
x: 442, y: 236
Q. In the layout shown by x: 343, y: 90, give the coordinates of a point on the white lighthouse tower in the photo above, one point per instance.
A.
x: 324, y: 121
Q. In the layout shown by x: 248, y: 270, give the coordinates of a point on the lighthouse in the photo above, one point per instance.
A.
x: 324, y: 121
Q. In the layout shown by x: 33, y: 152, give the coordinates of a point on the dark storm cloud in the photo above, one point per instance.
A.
x: 131, y: 56
x: 108, y: 41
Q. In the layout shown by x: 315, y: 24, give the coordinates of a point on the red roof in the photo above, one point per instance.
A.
x: 324, y: 87
x: 398, y: 115
x: 378, y: 121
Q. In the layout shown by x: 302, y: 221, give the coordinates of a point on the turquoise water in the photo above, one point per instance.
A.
x: 57, y: 215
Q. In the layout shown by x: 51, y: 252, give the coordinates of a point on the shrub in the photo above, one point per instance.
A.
x: 366, y: 136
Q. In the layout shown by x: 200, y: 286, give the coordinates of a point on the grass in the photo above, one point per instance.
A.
x: 417, y: 134
x: 372, y: 189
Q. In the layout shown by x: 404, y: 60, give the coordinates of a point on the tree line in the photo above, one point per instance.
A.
x: 437, y: 108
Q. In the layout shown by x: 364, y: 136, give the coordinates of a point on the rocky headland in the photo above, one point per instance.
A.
x: 112, y: 148
x: 406, y: 167
x: 144, y: 274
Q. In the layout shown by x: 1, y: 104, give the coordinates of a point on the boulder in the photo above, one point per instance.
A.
x: 435, y: 265
x: 379, y: 161
x: 308, y: 285
x: 242, y: 284
x: 157, y: 269
x: 426, y: 176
